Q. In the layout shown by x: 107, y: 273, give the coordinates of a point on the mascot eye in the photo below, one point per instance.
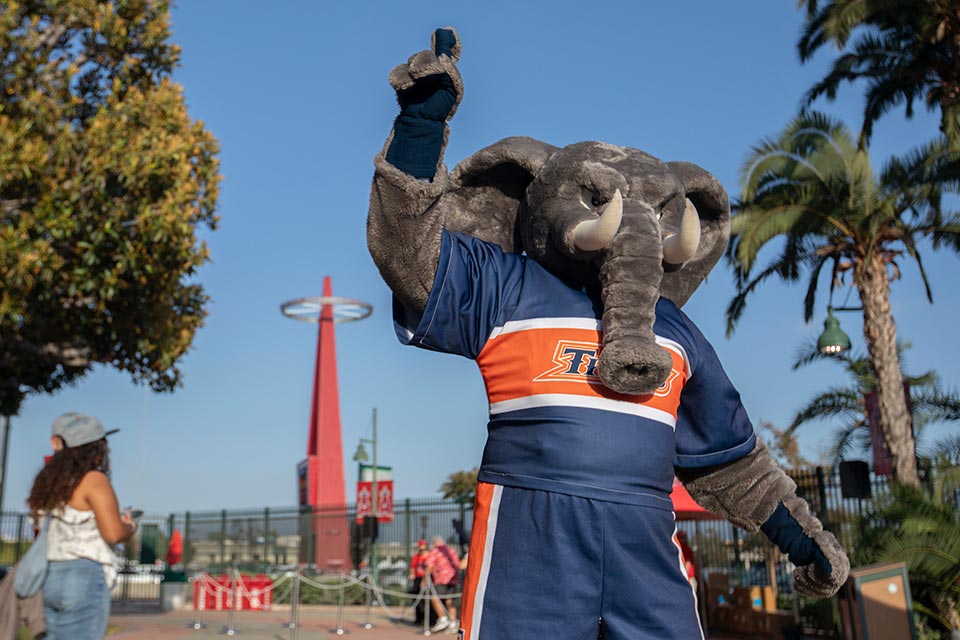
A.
x: 590, y: 198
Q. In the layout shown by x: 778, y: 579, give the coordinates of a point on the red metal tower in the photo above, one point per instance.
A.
x: 322, y: 489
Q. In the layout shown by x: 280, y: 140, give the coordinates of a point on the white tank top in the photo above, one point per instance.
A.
x: 74, y: 535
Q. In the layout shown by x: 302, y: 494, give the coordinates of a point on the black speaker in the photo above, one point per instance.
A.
x: 356, y: 544
x: 854, y: 479
x: 463, y: 538
x: 370, y: 528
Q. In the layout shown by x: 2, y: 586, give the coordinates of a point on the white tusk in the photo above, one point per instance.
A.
x: 593, y: 235
x: 678, y: 248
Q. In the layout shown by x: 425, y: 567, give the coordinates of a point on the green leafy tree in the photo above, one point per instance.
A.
x: 844, y: 404
x: 815, y: 190
x: 783, y: 445
x: 905, y: 50
x: 460, y: 485
x: 105, y: 182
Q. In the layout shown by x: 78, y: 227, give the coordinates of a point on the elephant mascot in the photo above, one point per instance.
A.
x: 562, y: 271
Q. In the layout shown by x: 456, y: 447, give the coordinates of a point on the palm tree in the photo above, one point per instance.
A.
x: 930, y: 403
x: 814, y: 188
x: 906, y: 50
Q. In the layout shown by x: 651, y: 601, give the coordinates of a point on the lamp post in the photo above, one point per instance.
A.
x: 361, y: 456
x: 3, y: 464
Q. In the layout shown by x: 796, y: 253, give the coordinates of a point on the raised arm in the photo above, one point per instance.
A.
x: 404, y: 222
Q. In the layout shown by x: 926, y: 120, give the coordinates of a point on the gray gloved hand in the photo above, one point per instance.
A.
x: 822, y: 565
x: 812, y: 580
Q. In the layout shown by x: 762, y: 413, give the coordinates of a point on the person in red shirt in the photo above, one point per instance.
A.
x: 418, y: 567
x: 443, y: 567
x: 688, y: 559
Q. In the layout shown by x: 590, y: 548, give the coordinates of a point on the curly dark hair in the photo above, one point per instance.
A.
x: 56, y: 482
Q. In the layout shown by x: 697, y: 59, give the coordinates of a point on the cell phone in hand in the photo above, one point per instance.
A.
x: 135, y: 513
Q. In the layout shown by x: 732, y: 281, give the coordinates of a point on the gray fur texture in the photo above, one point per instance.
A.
x: 747, y: 491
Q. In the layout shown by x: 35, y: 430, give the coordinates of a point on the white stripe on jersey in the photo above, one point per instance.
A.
x: 680, y: 351
x: 587, y: 402
x: 591, y: 324
x: 485, y: 564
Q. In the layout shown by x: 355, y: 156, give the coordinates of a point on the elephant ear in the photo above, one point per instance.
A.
x: 484, y: 191
x: 713, y: 205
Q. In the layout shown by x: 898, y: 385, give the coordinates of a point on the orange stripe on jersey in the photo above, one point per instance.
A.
x: 528, y: 365
x: 485, y: 507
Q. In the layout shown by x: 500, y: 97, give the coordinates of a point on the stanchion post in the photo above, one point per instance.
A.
x: 425, y: 591
x: 294, y: 598
x: 231, y: 629
x: 295, y: 606
x: 366, y: 616
x: 340, y: 630
x: 201, y: 603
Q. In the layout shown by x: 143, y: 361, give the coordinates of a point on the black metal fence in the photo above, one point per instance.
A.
x: 274, y: 539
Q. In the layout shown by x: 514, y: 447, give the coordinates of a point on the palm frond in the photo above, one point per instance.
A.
x: 911, y: 247
x: 850, y: 439
x: 810, y: 300
x: 937, y: 405
x: 836, y: 402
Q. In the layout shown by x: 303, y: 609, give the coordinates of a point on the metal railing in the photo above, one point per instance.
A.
x: 272, y: 540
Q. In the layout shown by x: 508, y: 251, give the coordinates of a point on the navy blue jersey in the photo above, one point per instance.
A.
x: 553, y: 425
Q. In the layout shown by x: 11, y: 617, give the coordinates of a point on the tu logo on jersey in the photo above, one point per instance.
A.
x: 574, y: 362
x: 577, y: 362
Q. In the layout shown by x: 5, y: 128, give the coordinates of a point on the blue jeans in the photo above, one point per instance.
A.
x: 76, y: 601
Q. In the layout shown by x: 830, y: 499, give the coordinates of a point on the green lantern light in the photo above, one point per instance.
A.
x: 833, y: 340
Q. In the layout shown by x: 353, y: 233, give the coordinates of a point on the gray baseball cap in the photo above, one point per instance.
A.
x: 78, y: 429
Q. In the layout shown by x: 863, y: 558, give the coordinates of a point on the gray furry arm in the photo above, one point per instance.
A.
x: 405, y: 221
x: 745, y: 491
x: 404, y: 227
x: 755, y: 494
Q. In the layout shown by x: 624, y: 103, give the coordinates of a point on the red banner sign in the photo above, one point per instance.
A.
x: 384, y: 501
x: 882, y: 460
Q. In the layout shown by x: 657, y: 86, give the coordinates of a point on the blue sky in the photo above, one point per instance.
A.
x: 297, y: 96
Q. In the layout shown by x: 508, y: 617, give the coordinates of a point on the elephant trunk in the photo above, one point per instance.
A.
x: 631, y: 361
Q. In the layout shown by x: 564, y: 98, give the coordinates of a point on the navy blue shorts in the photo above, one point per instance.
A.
x: 547, y: 565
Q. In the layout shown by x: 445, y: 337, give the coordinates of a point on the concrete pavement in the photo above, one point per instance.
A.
x: 315, y: 622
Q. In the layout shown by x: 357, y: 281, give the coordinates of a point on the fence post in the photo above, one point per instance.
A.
x: 19, y: 551
x: 186, y: 539
x: 737, y: 561
x: 223, y: 536
x: 463, y: 525
x: 407, y: 529
x: 822, y: 495
x: 266, y: 538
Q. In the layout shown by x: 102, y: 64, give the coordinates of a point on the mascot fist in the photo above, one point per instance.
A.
x: 429, y: 89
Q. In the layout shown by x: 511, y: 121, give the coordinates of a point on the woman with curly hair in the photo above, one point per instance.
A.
x: 85, y: 521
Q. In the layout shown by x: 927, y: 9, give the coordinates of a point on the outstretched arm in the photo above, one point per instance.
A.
x: 404, y: 223
x: 755, y: 494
